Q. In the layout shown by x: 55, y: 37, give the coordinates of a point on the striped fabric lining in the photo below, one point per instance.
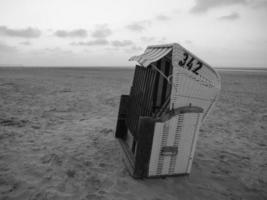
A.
x: 151, y: 55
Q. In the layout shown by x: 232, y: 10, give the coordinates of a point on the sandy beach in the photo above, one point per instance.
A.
x: 57, y: 139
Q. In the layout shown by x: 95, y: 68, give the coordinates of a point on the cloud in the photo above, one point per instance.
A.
x: 162, y: 40
x: 26, y: 43
x: 203, y: 6
x: 259, y: 4
x: 97, y: 42
x: 123, y: 43
x: 55, y: 56
x: 162, y: 17
x: 176, y: 11
x: 230, y: 17
x: 55, y: 51
x: 153, y: 40
x: 101, y: 31
x: 4, y: 48
x: 147, y: 39
x: 134, y: 49
x: 188, y: 41
x: 138, y: 26
x: 71, y: 33
x: 24, y: 33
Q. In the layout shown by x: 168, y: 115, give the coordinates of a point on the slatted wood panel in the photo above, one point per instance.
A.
x: 141, y: 100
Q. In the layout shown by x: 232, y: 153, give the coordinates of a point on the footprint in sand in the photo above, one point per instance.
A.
x: 52, y: 158
x: 264, y: 117
x: 122, y: 186
x: 13, y: 122
x: 95, y: 196
x: 106, y: 131
x: 93, y: 183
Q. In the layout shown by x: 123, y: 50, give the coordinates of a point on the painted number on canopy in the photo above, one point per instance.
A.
x: 187, y: 62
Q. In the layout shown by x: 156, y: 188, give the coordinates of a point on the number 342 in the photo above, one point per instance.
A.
x: 188, y: 63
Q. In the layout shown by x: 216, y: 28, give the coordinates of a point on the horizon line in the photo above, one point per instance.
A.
x: 106, y: 66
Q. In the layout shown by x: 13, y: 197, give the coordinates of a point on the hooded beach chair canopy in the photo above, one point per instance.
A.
x: 152, y: 54
x: 192, y: 78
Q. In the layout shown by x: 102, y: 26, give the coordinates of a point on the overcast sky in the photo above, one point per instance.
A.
x: 224, y: 33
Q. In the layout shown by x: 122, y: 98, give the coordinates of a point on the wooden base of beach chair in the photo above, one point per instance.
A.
x: 154, y: 151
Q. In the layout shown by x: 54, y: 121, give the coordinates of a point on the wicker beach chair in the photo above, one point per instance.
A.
x: 158, y: 122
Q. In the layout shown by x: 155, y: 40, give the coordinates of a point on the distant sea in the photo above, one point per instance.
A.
x: 244, y: 69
